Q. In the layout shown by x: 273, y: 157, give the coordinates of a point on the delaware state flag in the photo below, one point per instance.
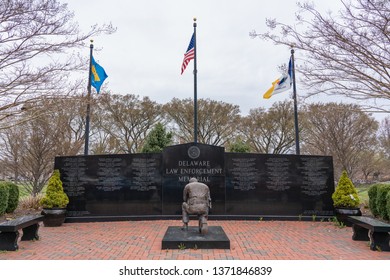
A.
x: 98, y: 75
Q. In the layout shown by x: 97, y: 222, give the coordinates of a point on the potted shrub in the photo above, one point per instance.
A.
x: 346, y: 200
x: 54, y: 202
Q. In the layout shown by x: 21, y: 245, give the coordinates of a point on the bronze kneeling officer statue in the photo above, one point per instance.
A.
x: 197, y: 201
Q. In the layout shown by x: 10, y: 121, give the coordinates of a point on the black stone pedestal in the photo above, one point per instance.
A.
x: 9, y: 241
x: 379, y: 241
x: 30, y: 233
x: 359, y: 233
x: 176, y: 238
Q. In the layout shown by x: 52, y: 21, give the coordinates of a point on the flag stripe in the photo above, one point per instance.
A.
x: 269, y: 92
x: 189, y: 55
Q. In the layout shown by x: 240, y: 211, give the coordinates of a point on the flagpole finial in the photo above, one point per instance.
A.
x: 292, y: 48
x: 194, y: 21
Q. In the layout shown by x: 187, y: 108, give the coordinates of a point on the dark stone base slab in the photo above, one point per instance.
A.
x: 94, y: 219
x: 176, y: 238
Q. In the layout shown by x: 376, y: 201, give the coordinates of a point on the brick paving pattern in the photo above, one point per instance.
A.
x: 249, y: 240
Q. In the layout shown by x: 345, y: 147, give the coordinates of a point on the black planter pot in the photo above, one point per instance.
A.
x: 54, y: 217
x: 342, y: 214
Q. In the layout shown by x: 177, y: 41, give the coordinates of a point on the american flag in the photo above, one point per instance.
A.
x: 190, y: 54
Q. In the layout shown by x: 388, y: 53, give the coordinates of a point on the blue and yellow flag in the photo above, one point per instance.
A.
x: 98, y: 75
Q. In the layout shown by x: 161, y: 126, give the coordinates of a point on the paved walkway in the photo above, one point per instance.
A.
x: 141, y: 240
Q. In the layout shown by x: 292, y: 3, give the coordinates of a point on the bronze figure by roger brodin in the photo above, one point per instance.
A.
x: 197, y: 201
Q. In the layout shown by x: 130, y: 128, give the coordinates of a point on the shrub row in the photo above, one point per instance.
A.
x: 9, y: 197
x: 379, y: 200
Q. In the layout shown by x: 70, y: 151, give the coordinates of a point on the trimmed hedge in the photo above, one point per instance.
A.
x: 4, y: 194
x: 381, y: 203
x: 13, y: 198
x: 388, y: 204
x: 372, y: 191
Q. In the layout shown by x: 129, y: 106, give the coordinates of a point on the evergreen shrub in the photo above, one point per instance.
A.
x: 157, y: 139
x: 372, y: 191
x: 381, y: 203
x: 388, y: 204
x: 4, y: 193
x: 55, y: 196
x: 13, y: 198
x: 345, y: 194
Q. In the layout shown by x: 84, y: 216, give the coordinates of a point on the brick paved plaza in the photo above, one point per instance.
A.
x: 249, y: 240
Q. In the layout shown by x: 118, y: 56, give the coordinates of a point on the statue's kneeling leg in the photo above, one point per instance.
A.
x: 185, y: 216
x: 203, y: 227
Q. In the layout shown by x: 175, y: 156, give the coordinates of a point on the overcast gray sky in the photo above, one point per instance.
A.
x: 144, y: 56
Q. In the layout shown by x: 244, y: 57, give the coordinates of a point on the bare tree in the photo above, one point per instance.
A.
x: 372, y: 163
x: 345, y: 54
x: 217, y: 121
x: 270, y: 131
x: 122, y: 122
x: 11, y: 152
x: 38, y: 40
x: 343, y: 131
x: 29, y: 149
x: 384, y: 136
x: 67, y: 116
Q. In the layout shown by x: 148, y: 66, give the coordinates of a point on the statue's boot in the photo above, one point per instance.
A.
x: 204, y: 228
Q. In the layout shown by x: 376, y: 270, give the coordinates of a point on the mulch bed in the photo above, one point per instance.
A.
x: 18, y: 213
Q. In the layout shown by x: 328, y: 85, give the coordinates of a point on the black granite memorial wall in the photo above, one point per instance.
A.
x: 281, y: 185
x: 112, y: 185
x: 241, y: 184
x: 182, y: 162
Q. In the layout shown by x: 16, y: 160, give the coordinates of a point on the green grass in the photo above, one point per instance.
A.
x: 24, y: 193
x: 362, y: 191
